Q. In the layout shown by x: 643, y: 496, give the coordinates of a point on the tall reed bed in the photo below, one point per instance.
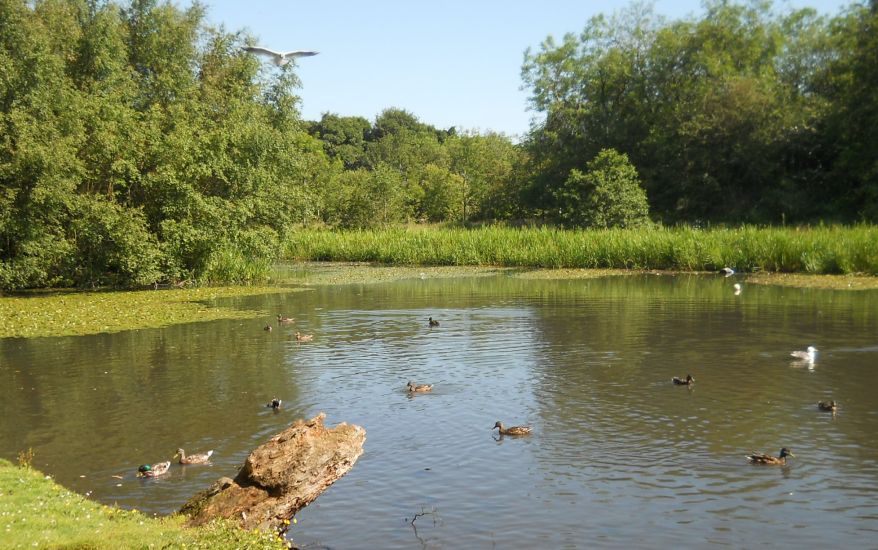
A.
x: 819, y: 250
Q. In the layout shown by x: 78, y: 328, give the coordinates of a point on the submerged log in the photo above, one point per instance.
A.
x: 281, y: 477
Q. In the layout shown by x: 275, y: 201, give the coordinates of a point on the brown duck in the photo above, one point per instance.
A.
x: 198, y: 458
x: 418, y: 388
x: 512, y: 430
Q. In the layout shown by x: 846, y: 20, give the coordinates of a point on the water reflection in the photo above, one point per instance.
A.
x: 618, y: 452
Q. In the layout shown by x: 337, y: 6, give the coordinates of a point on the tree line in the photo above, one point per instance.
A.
x: 139, y: 144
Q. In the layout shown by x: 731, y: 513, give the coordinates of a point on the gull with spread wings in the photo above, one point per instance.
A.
x: 280, y: 58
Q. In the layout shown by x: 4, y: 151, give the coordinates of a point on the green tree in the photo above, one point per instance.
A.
x: 608, y: 194
x: 344, y: 138
x: 486, y: 165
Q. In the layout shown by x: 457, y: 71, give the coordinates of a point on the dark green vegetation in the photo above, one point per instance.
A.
x: 37, y: 512
x: 745, y: 114
x: 823, y: 250
x: 137, y: 144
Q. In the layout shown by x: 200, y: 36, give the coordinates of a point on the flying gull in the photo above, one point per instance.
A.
x: 280, y: 58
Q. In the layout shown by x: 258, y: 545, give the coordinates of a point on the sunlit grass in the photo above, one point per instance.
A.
x: 813, y: 250
x: 76, y: 313
x: 35, y: 512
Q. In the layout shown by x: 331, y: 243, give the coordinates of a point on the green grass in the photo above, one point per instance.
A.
x: 37, y: 512
x: 812, y: 250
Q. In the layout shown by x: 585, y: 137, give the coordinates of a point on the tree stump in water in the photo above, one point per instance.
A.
x: 281, y: 477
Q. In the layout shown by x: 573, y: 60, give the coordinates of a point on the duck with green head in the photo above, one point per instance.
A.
x: 154, y: 470
x: 759, y: 458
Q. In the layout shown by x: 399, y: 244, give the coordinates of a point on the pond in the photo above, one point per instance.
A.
x: 619, y: 455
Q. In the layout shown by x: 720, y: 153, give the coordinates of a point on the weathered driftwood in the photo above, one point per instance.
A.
x: 282, y: 476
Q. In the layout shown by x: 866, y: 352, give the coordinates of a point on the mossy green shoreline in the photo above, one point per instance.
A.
x: 74, y: 313
x: 36, y: 512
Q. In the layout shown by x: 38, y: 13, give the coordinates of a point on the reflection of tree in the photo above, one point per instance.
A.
x: 610, y: 347
x: 138, y: 394
x: 424, y: 512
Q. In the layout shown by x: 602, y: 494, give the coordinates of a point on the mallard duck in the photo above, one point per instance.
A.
x: 275, y: 403
x: 267, y: 328
x: 284, y: 320
x: 683, y: 382
x: 432, y: 322
x: 418, y: 388
x: 828, y: 406
x: 808, y: 355
x: 512, y: 430
x: 199, y: 458
x: 154, y: 470
x: 758, y: 458
x: 304, y: 337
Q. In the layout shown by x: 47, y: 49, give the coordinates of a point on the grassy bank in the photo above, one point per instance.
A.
x: 36, y: 512
x: 818, y: 250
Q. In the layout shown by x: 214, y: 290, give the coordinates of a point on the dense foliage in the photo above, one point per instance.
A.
x: 743, y: 114
x: 140, y: 145
x: 607, y: 195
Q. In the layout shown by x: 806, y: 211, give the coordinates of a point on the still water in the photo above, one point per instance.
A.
x: 619, y: 457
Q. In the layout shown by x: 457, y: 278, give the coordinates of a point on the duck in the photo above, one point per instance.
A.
x: 808, y: 355
x: 198, y: 458
x: 267, y: 328
x: 418, y: 388
x: 758, y: 458
x: 304, y: 337
x: 512, y: 430
x: 432, y: 322
x: 683, y: 381
x: 275, y: 404
x: 828, y: 406
x: 727, y: 271
x: 154, y: 470
x: 284, y: 320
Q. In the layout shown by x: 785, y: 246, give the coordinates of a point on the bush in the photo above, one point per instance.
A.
x: 607, y: 195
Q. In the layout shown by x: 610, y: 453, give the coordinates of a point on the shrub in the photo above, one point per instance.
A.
x: 607, y: 195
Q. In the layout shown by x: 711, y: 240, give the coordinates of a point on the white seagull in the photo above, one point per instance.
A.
x: 808, y: 355
x: 280, y: 58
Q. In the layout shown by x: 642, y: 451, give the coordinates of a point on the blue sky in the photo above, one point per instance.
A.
x: 449, y: 62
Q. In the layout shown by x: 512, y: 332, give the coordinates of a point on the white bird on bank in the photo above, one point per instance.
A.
x: 280, y: 58
x: 727, y: 271
x: 809, y: 355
